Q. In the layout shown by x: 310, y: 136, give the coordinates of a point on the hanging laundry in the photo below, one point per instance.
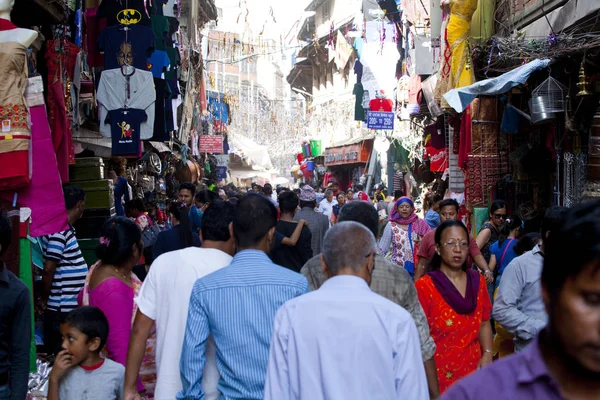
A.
x: 113, y: 11
x: 129, y: 45
x: 125, y: 130
x: 113, y: 92
x: 161, y: 28
x: 158, y: 63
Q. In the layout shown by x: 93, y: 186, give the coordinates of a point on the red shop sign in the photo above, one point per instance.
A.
x: 210, y: 144
x: 351, y: 154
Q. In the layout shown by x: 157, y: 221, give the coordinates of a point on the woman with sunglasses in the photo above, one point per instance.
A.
x: 403, y: 232
x: 457, y: 306
x: 489, y: 232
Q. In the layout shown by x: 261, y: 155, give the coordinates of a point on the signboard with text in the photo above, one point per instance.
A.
x: 380, y: 120
x: 210, y: 144
x: 351, y: 154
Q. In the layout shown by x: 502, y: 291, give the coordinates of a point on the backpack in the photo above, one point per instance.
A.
x: 150, y: 234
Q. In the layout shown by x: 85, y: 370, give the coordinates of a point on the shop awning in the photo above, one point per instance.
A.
x: 253, y: 153
x: 460, y: 98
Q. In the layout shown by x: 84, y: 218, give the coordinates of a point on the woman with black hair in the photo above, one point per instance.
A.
x: 111, y: 286
x: 528, y: 242
x: 503, y: 251
x: 488, y: 233
x: 457, y: 307
x: 180, y: 236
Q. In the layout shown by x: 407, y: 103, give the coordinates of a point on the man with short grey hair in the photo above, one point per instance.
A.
x: 344, y: 342
x: 326, y: 205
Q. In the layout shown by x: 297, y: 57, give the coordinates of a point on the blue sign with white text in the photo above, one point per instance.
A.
x: 380, y: 120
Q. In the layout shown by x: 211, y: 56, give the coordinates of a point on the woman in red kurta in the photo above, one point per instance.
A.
x: 457, y: 306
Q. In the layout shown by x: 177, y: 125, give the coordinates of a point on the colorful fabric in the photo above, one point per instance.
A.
x: 395, y: 217
x: 460, y: 304
x: 456, y: 335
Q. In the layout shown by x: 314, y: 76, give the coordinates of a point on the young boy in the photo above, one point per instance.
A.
x: 79, y: 372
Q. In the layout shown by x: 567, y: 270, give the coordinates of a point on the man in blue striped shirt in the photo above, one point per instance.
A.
x: 65, y: 271
x: 237, y: 304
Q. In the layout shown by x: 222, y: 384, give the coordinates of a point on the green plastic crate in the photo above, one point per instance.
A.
x: 88, y: 250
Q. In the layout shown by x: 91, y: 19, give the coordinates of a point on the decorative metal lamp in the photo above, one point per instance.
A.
x: 583, y: 83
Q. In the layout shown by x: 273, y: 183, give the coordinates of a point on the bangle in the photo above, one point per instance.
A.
x: 488, y: 351
x: 486, y: 271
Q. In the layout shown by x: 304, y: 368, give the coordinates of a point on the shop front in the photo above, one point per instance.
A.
x: 346, y: 163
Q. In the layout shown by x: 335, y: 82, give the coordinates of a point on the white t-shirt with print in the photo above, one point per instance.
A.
x: 165, y: 298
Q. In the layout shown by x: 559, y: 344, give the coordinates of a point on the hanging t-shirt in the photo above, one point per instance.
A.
x: 219, y: 110
x: 130, y: 45
x: 93, y: 26
x: 175, y: 100
x: 173, y: 27
x: 384, y: 105
x: 112, y: 94
x: 174, y: 58
x: 169, y: 8
x: 359, y: 111
x: 438, y: 159
x: 125, y: 130
x: 160, y: 127
x: 160, y: 27
x: 113, y: 10
x: 169, y: 112
x: 156, y: 6
x: 158, y: 63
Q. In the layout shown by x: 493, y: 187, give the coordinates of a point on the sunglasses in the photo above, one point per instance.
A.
x: 500, y: 216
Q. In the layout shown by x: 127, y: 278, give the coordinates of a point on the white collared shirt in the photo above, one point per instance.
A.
x: 344, y: 342
x: 165, y: 298
x: 326, y: 207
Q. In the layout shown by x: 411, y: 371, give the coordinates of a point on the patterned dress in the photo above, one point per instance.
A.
x: 456, y: 335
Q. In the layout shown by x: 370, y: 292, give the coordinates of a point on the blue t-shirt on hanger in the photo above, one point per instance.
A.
x: 125, y: 130
x: 158, y: 63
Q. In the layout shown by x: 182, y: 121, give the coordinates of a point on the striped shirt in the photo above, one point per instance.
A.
x: 71, y: 269
x: 237, y: 304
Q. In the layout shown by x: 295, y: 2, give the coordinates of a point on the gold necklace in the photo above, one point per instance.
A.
x: 121, y: 274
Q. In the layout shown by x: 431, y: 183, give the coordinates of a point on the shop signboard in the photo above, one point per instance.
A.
x: 380, y: 120
x: 351, y: 154
x: 210, y: 144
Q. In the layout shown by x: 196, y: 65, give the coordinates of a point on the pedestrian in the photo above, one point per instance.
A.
x: 291, y: 257
x: 457, y: 306
x: 202, y: 201
x: 432, y: 216
x: 378, y: 196
x: 141, y: 270
x: 79, y: 371
x: 397, y: 195
x: 504, y: 344
x: 519, y: 306
x: 111, y: 286
x: 350, y: 195
x: 267, y: 191
x: 136, y: 210
x: 389, y: 281
x: 403, y: 231
x: 326, y: 205
x: 180, y: 236
x: 488, y: 234
x: 64, y: 273
x: 121, y: 189
x: 341, y: 200
x: 317, y: 222
x: 563, y: 361
x: 449, y: 211
x: 319, y: 351
x: 237, y: 305
x: 360, y: 194
x: 15, y: 324
x: 164, y: 299
x: 186, y: 195
x: 503, y: 251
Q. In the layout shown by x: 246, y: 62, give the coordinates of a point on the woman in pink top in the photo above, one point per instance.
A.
x: 111, y: 286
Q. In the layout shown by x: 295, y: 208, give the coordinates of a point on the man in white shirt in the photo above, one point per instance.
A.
x: 343, y: 341
x: 164, y: 299
x: 326, y: 205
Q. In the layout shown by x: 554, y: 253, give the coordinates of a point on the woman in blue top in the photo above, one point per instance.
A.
x: 121, y: 190
x: 503, y: 251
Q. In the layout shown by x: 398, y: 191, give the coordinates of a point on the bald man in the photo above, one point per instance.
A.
x: 343, y: 341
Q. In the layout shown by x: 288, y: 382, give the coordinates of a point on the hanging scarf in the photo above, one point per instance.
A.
x: 397, y: 218
x: 460, y: 304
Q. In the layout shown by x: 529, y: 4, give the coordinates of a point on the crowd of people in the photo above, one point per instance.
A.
x: 302, y: 294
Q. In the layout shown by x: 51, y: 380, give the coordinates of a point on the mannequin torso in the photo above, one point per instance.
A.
x: 9, y: 32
